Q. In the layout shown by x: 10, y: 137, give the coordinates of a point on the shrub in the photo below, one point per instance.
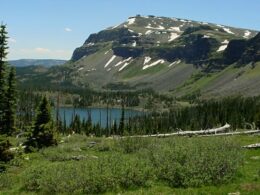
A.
x: 88, y: 176
x: 132, y: 145
x: 6, y: 181
x: 196, y: 162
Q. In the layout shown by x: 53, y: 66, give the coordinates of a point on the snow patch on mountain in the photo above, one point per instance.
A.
x: 247, y: 34
x: 183, y: 20
x: 147, y: 59
x: 131, y: 21
x: 148, y: 32
x: 221, y: 26
x: 176, y: 28
x: 90, y: 44
x: 130, y: 30
x: 149, y: 26
x: 107, y: 51
x: 161, y: 61
x: 173, y: 37
x: 110, y: 61
x: 175, y: 63
x: 127, y: 62
x: 119, y: 63
x: 222, y: 48
x: 228, y: 31
x: 90, y: 70
x: 206, y: 36
x: 225, y: 42
x: 115, y: 26
x: 123, y: 61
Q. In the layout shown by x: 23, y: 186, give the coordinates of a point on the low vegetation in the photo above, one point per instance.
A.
x: 97, y: 165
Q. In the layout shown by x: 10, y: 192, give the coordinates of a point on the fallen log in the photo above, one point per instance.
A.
x: 235, y: 133
x: 252, y: 146
x: 187, y: 133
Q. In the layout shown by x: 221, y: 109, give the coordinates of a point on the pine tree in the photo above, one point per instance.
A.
x: 43, y: 134
x: 122, y: 121
x: 89, y: 124
x: 76, y: 124
x: 5, y: 155
x: 11, y: 99
x: 3, y: 54
x: 64, y: 129
x: 114, y: 128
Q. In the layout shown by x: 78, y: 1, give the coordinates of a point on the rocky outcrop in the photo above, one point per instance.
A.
x: 110, y: 35
x: 234, y: 51
x: 84, y: 51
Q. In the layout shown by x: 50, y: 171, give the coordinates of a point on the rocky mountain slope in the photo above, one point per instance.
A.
x: 167, y: 54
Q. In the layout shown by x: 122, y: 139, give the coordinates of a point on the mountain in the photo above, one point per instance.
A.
x: 36, y: 62
x: 166, y: 54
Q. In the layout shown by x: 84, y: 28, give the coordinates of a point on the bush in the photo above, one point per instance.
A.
x: 89, y: 176
x: 196, y: 162
x: 5, y: 181
x: 131, y: 163
x: 132, y: 145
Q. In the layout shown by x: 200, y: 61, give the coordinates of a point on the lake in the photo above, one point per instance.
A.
x: 98, y: 115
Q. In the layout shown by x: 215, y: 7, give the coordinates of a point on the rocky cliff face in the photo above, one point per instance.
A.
x: 170, y: 39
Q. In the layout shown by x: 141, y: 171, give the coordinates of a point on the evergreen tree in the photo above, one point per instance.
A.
x: 76, y: 124
x: 3, y: 54
x: 89, y: 124
x: 122, y: 121
x: 43, y: 134
x: 5, y: 154
x: 11, y: 99
x: 64, y: 129
x: 114, y: 128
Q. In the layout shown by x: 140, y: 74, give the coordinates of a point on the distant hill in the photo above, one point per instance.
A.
x: 36, y: 62
x: 167, y: 54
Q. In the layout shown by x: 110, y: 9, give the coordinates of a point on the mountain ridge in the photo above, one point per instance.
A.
x: 160, y: 53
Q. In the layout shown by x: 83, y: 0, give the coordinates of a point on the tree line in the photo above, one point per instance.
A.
x: 239, y: 112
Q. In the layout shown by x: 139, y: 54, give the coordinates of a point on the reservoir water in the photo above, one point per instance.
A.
x: 98, y: 115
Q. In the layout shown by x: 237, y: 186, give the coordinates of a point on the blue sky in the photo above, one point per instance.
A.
x: 54, y: 28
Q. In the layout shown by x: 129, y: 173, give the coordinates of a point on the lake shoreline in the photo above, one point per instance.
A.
x: 104, y: 107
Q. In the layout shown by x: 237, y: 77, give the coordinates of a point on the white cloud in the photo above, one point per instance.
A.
x: 68, y: 29
x: 42, y: 50
x: 11, y: 40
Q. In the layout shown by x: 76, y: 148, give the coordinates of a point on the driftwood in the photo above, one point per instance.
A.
x: 188, y: 133
x: 252, y: 146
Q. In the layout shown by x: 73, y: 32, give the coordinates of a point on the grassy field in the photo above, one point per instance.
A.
x: 180, y: 165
